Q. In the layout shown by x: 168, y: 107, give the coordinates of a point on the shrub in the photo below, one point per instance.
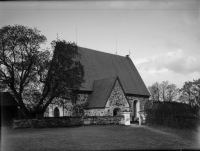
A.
x: 173, y: 114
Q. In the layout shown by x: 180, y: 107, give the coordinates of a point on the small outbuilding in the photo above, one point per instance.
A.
x: 9, y: 108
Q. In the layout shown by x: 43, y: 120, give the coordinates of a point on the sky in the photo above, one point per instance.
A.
x: 161, y: 36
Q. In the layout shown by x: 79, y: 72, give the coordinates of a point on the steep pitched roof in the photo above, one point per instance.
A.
x: 7, y: 99
x: 101, y: 92
x: 100, y: 65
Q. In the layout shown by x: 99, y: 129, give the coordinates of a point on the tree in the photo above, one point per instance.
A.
x: 191, y: 92
x: 163, y: 91
x: 155, y: 92
x: 196, y: 91
x: 172, y: 92
x: 32, y: 75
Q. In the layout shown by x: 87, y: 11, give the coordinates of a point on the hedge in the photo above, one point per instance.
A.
x: 174, y: 115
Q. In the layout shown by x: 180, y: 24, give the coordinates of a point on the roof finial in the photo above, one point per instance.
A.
x: 128, y: 54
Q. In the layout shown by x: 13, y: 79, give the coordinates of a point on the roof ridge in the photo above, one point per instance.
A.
x: 102, y: 52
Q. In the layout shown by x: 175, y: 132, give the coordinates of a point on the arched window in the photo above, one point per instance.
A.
x: 56, y: 112
x: 116, y: 111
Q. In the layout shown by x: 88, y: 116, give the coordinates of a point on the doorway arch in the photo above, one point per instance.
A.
x: 116, y: 111
x: 56, y: 112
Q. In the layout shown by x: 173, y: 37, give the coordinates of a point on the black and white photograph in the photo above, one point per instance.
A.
x: 100, y: 75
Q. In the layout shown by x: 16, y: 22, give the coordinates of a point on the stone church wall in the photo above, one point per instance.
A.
x: 67, y: 109
x: 95, y: 112
x: 117, y: 99
x: 141, y: 100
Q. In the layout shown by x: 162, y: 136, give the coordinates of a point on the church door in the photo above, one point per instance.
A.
x: 116, y: 111
x: 56, y: 112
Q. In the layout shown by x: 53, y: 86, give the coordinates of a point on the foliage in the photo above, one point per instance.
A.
x: 20, y: 60
x: 162, y: 110
x: 173, y: 114
x: 32, y: 75
x: 191, y: 92
x: 155, y: 91
x: 163, y: 91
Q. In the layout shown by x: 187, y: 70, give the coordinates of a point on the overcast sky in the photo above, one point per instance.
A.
x: 163, y: 37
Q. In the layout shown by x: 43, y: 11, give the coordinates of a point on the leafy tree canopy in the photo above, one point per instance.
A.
x: 34, y: 77
x: 191, y: 92
x: 163, y: 91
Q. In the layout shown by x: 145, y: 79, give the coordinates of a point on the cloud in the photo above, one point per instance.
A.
x: 174, y: 61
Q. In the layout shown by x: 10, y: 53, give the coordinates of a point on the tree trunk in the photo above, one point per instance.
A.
x: 25, y: 111
x: 22, y: 106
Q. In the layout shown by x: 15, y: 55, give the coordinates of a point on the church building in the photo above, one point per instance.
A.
x: 112, y: 85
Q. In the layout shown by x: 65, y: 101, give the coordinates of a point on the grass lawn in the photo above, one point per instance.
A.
x: 110, y: 137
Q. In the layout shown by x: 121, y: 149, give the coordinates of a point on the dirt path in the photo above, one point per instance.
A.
x: 153, y: 129
x: 181, y: 135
